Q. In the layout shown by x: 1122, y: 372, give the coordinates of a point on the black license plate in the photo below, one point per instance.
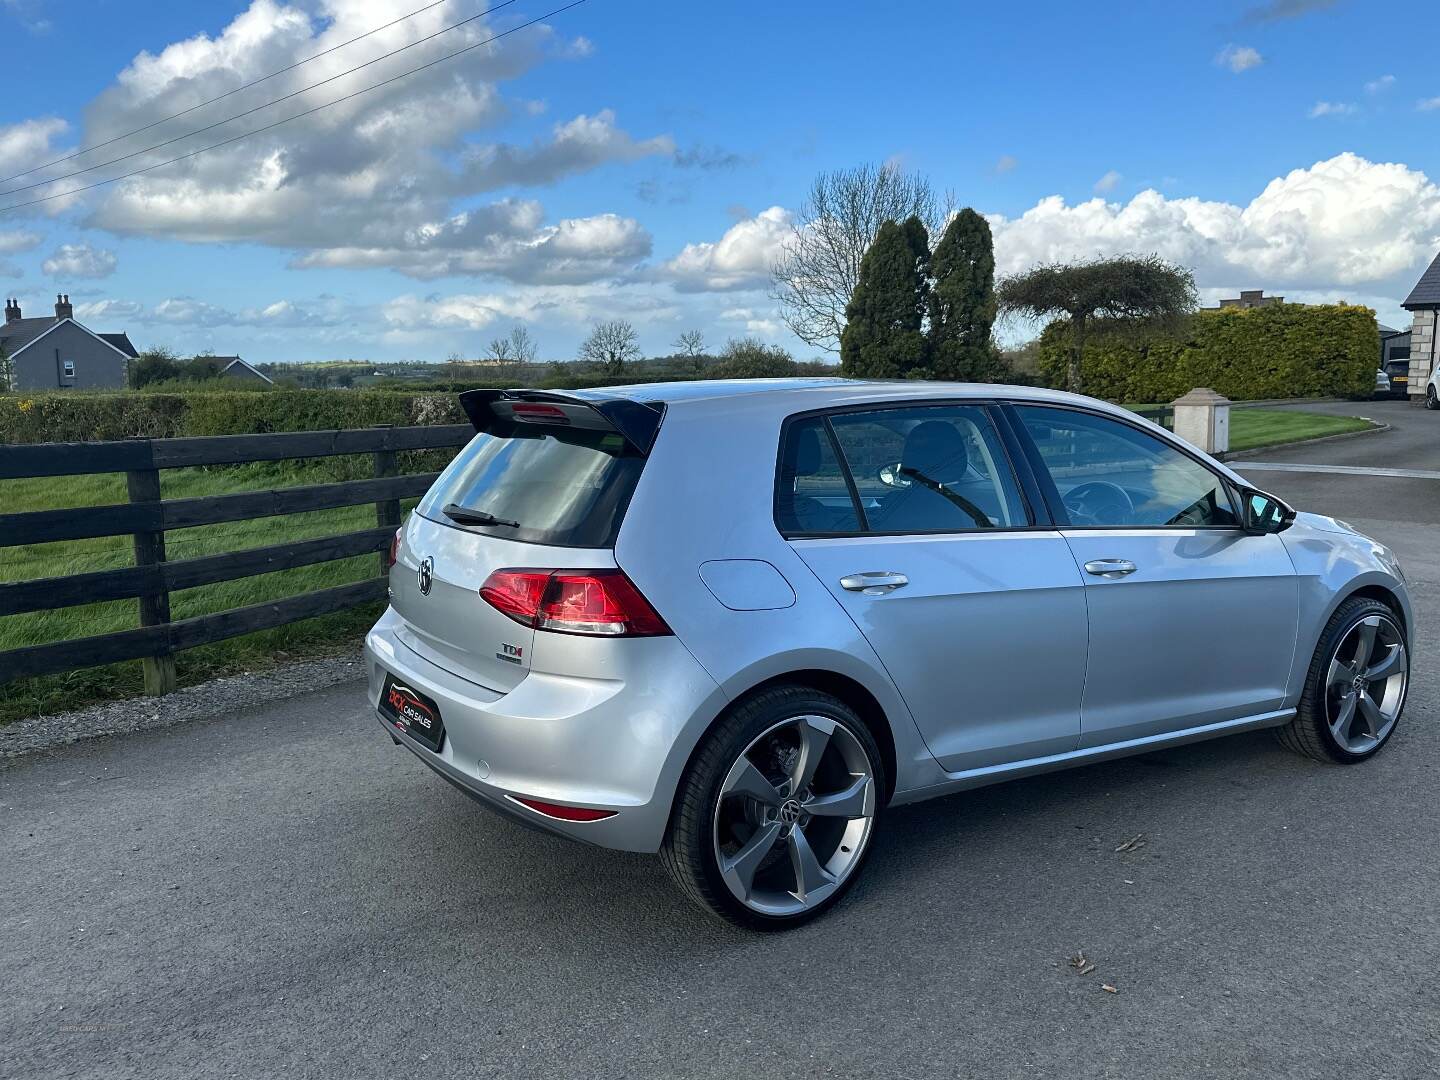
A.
x: 412, y: 713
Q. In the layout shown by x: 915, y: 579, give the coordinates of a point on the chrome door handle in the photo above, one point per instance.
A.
x: 1110, y: 568
x: 874, y: 582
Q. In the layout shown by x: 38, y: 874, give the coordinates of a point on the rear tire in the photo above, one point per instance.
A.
x: 1355, y: 687
x: 776, y: 812
x: 1432, y: 399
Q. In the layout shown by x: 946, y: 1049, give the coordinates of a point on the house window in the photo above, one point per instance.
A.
x: 69, y: 367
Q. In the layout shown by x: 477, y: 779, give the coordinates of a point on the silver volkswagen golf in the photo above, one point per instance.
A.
x: 732, y: 622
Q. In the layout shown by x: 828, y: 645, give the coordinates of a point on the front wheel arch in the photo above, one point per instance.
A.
x: 1384, y: 596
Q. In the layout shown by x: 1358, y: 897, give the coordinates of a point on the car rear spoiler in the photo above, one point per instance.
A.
x: 638, y: 422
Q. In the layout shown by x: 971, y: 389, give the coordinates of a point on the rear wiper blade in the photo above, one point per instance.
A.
x: 464, y: 516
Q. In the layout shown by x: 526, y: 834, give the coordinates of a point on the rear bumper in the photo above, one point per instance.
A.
x: 615, y: 744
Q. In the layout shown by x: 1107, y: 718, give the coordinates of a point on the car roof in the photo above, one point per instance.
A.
x: 798, y: 395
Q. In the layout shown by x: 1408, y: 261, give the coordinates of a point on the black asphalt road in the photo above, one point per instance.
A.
x: 284, y: 893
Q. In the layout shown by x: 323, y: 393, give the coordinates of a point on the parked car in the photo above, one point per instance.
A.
x: 734, y: 622
x: 1382, y: 384
x: 1398, y: 372
x: 1432, y: 390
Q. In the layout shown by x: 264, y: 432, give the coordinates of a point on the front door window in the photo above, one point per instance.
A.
x: 1112, y: 475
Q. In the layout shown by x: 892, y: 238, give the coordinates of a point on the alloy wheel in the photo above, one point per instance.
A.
x: 794, y: 814
x: 1365, y: 684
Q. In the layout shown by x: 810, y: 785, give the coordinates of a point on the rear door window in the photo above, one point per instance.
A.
x: 926, y: 469
x: 564, y: 487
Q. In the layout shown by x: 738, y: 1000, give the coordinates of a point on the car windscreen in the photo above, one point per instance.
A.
x: 548, y: 484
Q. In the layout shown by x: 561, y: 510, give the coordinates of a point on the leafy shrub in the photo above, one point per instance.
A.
x: 1279, y: 351
x: 750, y: 358
x: 71, y: 416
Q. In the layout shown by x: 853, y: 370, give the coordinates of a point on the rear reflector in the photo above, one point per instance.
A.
x: 603, y: 603
x: 564, y: 813
x: 394, y: 555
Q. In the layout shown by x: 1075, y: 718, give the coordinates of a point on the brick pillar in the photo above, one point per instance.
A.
x: 1423, y: 344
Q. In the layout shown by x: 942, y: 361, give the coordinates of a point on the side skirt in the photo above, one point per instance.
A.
x: 1015, y: 770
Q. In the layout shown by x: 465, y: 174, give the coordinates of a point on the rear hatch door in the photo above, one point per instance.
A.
x: 544, y: 484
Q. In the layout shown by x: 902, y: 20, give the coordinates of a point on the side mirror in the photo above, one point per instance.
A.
x: 1264, y: 513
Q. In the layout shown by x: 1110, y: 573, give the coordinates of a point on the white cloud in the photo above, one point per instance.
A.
x: 740, y: 259
x: 28, y: 144
x: 1343, y: 222
x: 1005, y: 164
x: 1109, y: 181
x: 1380, y: 85
x: 577, y: 145
x: 1332, y: 108
x: 187, y: 311
x: 505, y: 240
x: 375, y: 181
x: 578, y: 48
x: 15, y: 241
x: 543, y: 306
x: 1239, y: 58
x: 761, y: 322
x: 324, y: 311
x: 29, y: 14
x: 80, y: 261
x: 98, y: 310
x: 1428, y: 104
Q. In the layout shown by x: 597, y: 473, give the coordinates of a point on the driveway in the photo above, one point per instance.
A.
x: 1387, y: 483
x: 283, y: 892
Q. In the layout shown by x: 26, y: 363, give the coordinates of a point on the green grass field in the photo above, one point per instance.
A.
x: 327, y: 634
x: 1251, y: 429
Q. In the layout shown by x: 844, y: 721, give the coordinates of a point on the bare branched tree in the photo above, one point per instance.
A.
x: 523, y: 348
x: 817, y: 271
x: 610, y: 345
x: 691, y: 343
x: 499, y: 350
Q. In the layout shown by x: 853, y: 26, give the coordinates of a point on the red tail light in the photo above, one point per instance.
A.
x: 600, y: 602
x: 394, y: 555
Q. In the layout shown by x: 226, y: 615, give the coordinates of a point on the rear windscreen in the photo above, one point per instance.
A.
x: 567, y: 487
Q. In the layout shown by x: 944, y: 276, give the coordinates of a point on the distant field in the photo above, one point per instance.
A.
x: 326, y: 634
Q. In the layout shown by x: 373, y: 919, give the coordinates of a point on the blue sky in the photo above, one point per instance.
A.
x: 642, y: 160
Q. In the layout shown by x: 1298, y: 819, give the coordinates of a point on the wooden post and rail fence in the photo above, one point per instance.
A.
x: 148, y: 517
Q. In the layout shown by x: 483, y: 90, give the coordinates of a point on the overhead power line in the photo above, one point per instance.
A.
x: 221, y: 97
x: 251, y: 112
x: 288, y: 119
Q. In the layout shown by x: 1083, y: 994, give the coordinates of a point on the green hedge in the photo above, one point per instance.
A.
x: 74, y: 416
x: 1279, y: 351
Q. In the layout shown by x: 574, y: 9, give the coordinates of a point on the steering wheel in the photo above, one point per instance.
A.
x: 1098, y: 502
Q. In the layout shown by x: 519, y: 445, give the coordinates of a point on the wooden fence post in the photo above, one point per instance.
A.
x: 144, y: 486
x: 387, y: 512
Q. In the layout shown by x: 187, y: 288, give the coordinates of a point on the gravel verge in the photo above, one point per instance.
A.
x: 215, y: 699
